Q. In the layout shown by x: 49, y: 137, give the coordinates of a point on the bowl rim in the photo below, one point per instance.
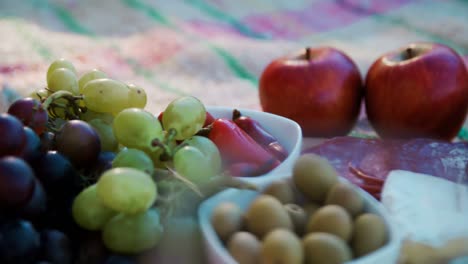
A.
x: 213, y: 244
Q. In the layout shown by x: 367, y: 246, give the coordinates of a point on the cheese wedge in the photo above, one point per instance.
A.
x: 425, y: 208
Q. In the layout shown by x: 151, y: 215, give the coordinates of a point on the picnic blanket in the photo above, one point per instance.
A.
x: 212, y: 49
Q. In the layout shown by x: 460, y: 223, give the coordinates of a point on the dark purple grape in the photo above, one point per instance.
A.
x: 37, y: 205
x: 119, y: 259
x: 92, y: 174
x: 103, y: 163
x: 31, y: 113
x: 47, y: 141
x: 32, y: 147
x: 91, y: 249
x: 19, y: 242
x: 12, y: 136
x: 3, y: 219
x: 59, y: 217
x: 56, y: 247
x: 16, y: 183
x: 79, y: 142
x: 55, y: 172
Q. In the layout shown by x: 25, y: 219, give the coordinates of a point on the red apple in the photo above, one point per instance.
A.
x: 465, y: 58
x: 420, y: 90
x: 319, y: 88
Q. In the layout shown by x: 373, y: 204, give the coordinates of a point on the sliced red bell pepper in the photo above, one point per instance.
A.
x: 236, y: 146
x: 260, y: 135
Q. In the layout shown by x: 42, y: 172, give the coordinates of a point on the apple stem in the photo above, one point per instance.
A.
x: 307, y: 54
x: 409, y: 53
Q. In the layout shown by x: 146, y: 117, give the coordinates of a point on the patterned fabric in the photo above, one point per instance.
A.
x: 212, y: 49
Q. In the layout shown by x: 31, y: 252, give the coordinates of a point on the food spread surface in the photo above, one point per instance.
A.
x: 89, y: 162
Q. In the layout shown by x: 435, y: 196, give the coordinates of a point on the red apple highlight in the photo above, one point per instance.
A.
x: 319, y: 88
x: 420, y: 90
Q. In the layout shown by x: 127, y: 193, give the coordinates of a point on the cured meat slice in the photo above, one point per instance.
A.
x: 367, y: 162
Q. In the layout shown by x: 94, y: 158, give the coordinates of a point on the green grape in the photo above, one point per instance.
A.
x: 89, y: 76
x: 209, y: 149
x: 186, y: 115
x: 88, y: 211
x: 105, y: 95
x: 133, y: 234
x: 89, y: 115
x: 60, y: 63
x: 136, y: 96
x: 105, y: 133
x: 40, y: 94
x: 192, y: 164
x: 133, y: 158
x: 126, y: 190
x: 136, y: 128
x: 63, y: 79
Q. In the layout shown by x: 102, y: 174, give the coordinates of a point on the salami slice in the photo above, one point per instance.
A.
x: 367, y: 162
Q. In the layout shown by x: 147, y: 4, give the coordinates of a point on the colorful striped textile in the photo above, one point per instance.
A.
x: 212, y: 49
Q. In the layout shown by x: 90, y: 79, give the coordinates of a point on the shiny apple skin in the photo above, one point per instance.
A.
x: 426, y: 96
x: 322, y: 94
x: 465, y: 59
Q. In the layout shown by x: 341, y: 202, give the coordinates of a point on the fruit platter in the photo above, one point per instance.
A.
x: 89, y: 175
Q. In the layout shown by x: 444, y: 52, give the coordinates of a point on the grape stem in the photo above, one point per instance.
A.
x: 168, y: 153
x: 171, y: 133
x: 189, y: 184
x: 57, y: 95
x: 71, y: 108
x: 178, y: 147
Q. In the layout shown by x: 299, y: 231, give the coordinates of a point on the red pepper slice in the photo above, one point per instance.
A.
x: 236, y: 146
x: 259, y: 134
x: 277, y: 150
x: 242, y: 169
x: 209, y: 119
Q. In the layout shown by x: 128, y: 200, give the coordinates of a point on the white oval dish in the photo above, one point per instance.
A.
x: 286, y: 131
x: 216, y: 253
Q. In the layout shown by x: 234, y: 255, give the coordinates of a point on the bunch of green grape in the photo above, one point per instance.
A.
x: 124, y: 202
x: 98, y: 92
x: 120, y: 205
x: 172, y: 143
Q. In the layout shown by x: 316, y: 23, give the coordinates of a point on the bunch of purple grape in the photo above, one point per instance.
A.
x: 42, y: 169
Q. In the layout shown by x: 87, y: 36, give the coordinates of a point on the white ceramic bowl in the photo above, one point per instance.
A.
x: 216, y: 253
x: 286, y: 131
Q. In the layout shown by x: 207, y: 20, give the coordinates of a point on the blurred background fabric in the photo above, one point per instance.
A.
x: 212, y: 49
